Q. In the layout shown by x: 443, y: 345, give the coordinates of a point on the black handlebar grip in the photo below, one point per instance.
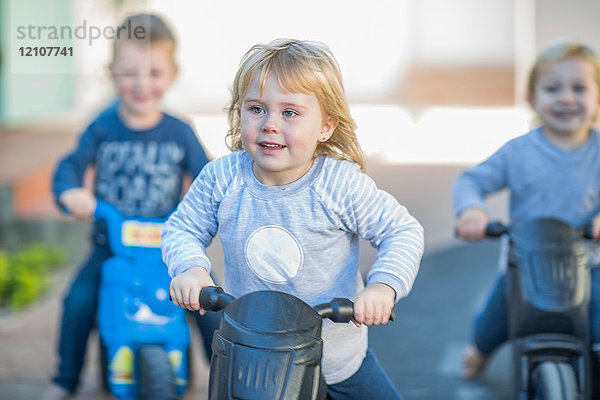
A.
x: 342, y: 310
x: 337, y: 310
x: 496, y: 229
x: 214, y: 298
x: 588, y: 231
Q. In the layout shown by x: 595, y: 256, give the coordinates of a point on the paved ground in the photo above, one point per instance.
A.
x: 421, y: 350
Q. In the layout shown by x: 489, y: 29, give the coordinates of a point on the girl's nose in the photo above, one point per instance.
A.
x: 270, y: 124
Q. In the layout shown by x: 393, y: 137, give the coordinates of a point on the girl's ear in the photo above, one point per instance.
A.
x: 328, y: 128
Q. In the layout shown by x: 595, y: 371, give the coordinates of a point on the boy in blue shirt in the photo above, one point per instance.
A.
x: 141, y: 156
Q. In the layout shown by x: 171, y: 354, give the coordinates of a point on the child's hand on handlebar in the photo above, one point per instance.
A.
x: 80, y: 202
x: 596, y: 227
x: 471, y: 224
x: 374, y: 304
x: 186, y: 287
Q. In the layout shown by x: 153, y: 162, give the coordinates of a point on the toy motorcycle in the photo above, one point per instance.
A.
x: 268, y: 345
x: 144, y: 337
x: 548, y: 291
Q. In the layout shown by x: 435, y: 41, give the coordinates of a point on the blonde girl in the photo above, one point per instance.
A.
x: 290, y: 204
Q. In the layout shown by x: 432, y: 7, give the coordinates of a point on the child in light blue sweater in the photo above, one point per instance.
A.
x: 553, y: 171
x: 290, y: 204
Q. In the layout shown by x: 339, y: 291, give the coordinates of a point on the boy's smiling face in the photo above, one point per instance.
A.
x: 566, y: 98
x: 142, y: 74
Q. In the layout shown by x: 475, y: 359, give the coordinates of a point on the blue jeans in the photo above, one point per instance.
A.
x: 490, y: 328
x: 369, y: 382
x: 79, y: 318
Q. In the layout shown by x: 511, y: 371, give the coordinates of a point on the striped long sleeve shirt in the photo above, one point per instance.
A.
x: 301, y: 238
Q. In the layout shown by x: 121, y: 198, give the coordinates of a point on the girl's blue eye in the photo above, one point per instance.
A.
x: 289, y: 113
x: 579, y: 88
x: 256, y: 110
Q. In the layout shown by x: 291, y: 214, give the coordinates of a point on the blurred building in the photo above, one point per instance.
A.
x: 411, y: 70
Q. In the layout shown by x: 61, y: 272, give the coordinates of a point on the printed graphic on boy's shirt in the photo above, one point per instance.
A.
x: 139, y: 178
x: 274, y: 254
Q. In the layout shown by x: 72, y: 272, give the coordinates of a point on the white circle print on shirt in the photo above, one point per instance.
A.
x: 273, y: 253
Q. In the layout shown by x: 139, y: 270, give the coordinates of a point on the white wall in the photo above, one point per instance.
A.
x: 375, y: 42
x: 573, y: 19
x: 539, y: 23
x: 369, y: 39
x: 462, y: 32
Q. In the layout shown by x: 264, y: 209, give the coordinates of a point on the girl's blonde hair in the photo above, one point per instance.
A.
x: 301, y: 67
x: 560, y: 52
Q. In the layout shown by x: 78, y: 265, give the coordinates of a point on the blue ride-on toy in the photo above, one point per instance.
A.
x: 144, y: 337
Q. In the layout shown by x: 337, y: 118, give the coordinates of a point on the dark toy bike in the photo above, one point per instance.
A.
x: 548, y: 293
x: 268, y: 345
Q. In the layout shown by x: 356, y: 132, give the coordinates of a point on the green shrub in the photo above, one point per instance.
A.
x: 4, y: 277
x: 24, y: 274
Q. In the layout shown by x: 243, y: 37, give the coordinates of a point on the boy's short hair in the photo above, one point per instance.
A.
x: 143, y: 29
x: 558, y: 52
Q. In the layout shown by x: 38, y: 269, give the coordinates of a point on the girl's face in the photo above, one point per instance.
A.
x: 280, y: 130
x: 566, y: 99
x: 142, y: 74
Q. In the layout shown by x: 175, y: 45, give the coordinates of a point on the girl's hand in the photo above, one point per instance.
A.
x: 186, y: 287
x: 374, y: 304
x: 471, y: 224
x: 80, y: 202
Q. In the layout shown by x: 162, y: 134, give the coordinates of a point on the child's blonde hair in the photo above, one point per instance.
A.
x: 301, y: 67
x: 560, y: 52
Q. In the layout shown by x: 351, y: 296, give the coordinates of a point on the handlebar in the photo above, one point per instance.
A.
x: 341, y: 310
x: 497, y: 229
x: 338, y: 310
x: 588, y: 231
x: 492, y: 230
x: 214, y: 298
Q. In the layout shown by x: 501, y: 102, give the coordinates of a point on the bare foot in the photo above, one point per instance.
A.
x: 474, y: 363
x: 56, y: 392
